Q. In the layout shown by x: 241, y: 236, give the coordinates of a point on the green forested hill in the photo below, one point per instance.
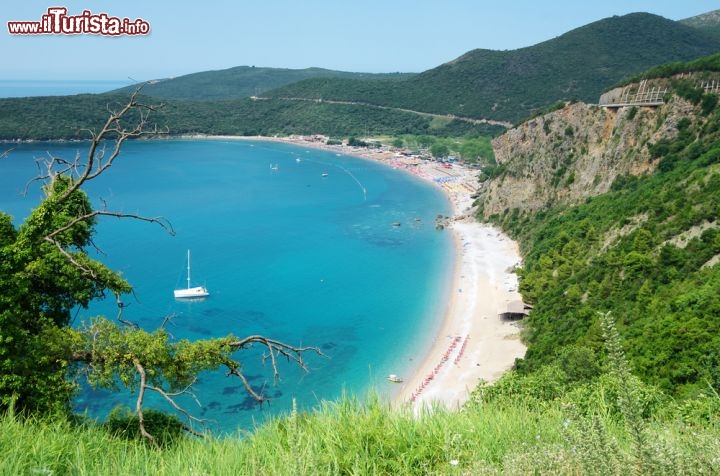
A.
x: 70, y: 117
x: 512, y: 85
x: 242, y: 82
x: 647, y: 251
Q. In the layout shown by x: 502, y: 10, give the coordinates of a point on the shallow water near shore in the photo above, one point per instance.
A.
x: 305, y: 246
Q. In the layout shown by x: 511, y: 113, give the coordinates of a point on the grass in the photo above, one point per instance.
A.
x: 344, y: 437
x: 353, y: 437
x: 506, y: 434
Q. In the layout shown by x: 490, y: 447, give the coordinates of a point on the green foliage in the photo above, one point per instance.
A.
x: 472, y: 149
x: 439, y: 150
x: 477, y: 151
x: 632, y: 112
x: 642, y: 251
x: 39, y: 287
x: 546, y: 124
x: 71, y: 117
x: 669, y: 69
x: 123, y: 424
x: 355, y: 142
x: 500, y: 85
x: 580, y: 364
x: 627, y: 397
x: 659, y: 149
x: 614, y: 403
x: 705, y: 22
x: 688, y: 90
x: 708, y: 103
x: 171, y: 363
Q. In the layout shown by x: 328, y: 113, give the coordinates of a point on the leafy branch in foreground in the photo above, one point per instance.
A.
x: 45, y: 273
x: 144, y: 361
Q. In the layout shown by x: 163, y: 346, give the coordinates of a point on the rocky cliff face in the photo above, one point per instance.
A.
x: 575, y: 152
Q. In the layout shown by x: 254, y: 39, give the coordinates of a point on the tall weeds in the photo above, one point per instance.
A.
x: 605, y: 428
x: 627, y: 396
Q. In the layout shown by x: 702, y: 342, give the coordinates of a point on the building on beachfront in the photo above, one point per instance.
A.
x: 515, y: 311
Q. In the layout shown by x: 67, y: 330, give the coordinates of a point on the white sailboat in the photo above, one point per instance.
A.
x: 190, y: 292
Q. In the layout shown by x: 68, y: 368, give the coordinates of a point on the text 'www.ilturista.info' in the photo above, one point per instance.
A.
x: 57, y: 22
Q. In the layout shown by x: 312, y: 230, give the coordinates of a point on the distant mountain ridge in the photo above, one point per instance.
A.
x: 505, y: 86
x: 242, y: 81
x: 708, y: 22
x: 512, y: 85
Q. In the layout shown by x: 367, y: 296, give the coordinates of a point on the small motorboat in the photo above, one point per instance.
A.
x: 394, y: 378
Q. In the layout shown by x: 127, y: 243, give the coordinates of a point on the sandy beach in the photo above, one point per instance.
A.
x: 474, y: 344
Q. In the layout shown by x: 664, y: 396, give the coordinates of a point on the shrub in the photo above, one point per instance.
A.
x: 166, y: 429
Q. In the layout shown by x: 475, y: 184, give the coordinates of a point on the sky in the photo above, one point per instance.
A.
x: 362, y: 36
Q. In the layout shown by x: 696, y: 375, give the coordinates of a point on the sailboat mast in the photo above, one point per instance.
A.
x: 190, y: 292
x: 188, y: 278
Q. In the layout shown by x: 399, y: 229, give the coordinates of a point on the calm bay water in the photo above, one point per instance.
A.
x: 12, y: 88
x: 289, y: 253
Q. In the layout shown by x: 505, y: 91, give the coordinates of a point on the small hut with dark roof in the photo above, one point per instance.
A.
x: 516, y: 310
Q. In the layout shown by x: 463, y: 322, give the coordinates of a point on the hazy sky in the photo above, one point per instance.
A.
x: 369, y: 35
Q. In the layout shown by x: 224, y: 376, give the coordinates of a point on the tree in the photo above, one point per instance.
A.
x: 45, y: 273
x: 439, y: 150
x: 478, y: 150
x: 425, y: 141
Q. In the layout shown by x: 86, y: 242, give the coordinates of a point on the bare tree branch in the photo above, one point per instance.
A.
x: 169, y: 397
x: 275, y: 346
x: 164, y: 223
x: 168, y: 320
x: 139, y: 402
x: 72, y: 260
x: 233, y: 370
x: 100, y: 157
x: 97, y: 162
x: 121, y: 307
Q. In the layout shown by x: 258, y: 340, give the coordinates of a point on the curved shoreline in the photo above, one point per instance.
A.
x: 473, y: 344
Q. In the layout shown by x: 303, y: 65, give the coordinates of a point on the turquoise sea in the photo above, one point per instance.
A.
x: 12, y: 88
x: 285, y: 250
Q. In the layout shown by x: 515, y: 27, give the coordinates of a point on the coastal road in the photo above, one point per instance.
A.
x: 471, y: 120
